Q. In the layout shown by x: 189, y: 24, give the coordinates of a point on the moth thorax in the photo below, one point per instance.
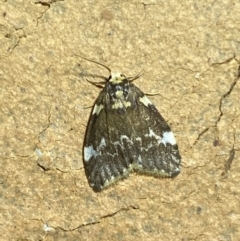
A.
x: 119, y: 94
x: 118, y: 91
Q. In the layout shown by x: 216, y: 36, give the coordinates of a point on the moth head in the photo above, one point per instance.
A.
x: 116, y: 78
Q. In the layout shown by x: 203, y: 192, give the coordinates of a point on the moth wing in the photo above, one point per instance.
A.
x: 132, y: 137
x: 105, y: 159
x: 158, y: 153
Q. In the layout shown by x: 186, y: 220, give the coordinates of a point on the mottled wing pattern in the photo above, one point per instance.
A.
x: 104, y: 160
x: 126, y: 132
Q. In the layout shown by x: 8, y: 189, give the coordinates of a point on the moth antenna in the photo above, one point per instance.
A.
x: 131, y: 79
x: 95, y: 62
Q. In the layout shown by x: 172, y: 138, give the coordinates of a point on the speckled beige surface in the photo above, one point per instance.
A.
x: 189, y: 53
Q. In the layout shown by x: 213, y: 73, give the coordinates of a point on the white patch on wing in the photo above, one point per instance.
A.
x: 116, y: 143
x: 177, y: 169
x: 97, y: 109
x: 89, y: 152
x: 123, y: 137
x: 139, y: 139
x: 120, y: 104
x: 145, y: 100
x: 168, y: 137
x: 152, y: 134
x: 127, y: 103
x: 139, y: 160
x: 102, y: 143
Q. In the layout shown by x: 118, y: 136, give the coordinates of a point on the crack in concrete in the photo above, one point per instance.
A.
x: 131, y: 207
x: 120, y: 210
x: 12, y: 35
x: 48, y: 125
x: 45, y: 169
x: 228, y: 163
x: 230, y: 160
x: 225, y: 95
x: 46, y: 4
x: 201, y: 134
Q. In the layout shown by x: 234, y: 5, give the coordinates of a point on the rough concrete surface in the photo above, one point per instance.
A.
x: 190, y: 54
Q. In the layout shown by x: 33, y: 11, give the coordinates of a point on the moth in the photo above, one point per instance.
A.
x: 126, y: 133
